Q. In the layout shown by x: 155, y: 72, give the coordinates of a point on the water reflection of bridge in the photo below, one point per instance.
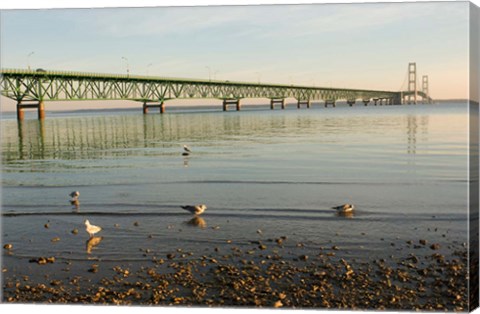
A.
x: 417, y: 126
x: 150, y: 135
x: 126, y: 135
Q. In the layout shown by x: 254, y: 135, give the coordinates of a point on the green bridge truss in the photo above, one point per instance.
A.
x: 38, y: 85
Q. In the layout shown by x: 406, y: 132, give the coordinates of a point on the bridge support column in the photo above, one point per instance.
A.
x: 274, y: 101
x: 147, y: 105
x: 375, y: 101
x: 39, y: 105
x: 227, y: 102
x: 303, y: 102
x: 20, y: 113
x: 366, y: 102
x: 351, y: 102
x: 330, y: 102
x: 41, y: 110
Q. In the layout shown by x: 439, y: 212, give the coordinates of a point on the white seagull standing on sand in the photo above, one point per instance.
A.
x: 195, y: 209
x: 91, y: 229
x: 346, y: 208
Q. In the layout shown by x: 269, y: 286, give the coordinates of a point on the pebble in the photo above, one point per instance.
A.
x: 303, y: 257
x: 93, y: 269
x: 267, y: 280
x: 55, y: 282
x: 50, y: 259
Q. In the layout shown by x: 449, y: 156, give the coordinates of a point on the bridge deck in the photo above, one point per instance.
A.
x: 40, y: 85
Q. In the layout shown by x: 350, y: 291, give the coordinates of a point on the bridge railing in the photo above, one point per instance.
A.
x: 76, y: 74
x: 23, y: 84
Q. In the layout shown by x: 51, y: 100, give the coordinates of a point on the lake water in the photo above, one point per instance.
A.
x: 263, y: 174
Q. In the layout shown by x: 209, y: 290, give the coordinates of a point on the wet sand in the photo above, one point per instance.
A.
x: 264, y: 273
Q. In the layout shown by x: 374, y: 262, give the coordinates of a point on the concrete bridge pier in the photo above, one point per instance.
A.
x: 147, y: 105
x: 20, y: 113
x: 351, y: 102
x: 41, y: 110
x: 330, y: 102
x: 228, y: 102
x: 274, y: 101
x: 375, y: 100
x: 366, y: 101
x: 303, y: 102
x: 39, y: 105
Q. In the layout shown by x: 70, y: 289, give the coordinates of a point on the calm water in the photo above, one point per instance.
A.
x: 404, y: 167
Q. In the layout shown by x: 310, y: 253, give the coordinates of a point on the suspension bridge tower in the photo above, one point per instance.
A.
x: 412, y: 82
x: 425, y: 88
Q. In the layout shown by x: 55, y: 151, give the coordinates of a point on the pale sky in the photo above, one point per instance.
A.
x: 365, y: 46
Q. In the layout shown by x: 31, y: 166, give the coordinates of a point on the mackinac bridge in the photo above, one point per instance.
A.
x: 31, y: 89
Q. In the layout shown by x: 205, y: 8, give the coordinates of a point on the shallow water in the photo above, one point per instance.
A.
x: 280, y: 172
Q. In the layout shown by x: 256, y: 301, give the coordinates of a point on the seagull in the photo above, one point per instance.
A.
x: 187, y: 149
x: 75, y: 194
x: 195, y: 209
x: 91, y: 229
x: 346, y: 208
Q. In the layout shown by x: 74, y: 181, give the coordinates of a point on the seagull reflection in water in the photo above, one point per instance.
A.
x: 75, y: 203
x: 93, y: 242
x: 197, y: 222
x: 345, y: 214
